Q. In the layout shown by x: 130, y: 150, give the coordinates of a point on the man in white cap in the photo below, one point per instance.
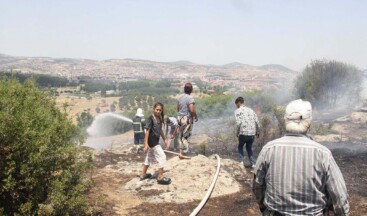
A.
x: 138, y: 126
x: 296, y: 176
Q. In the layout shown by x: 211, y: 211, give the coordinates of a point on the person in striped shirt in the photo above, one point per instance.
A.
x: 294, y: 175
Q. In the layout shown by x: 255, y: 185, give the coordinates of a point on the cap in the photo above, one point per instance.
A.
x: 298, y: 110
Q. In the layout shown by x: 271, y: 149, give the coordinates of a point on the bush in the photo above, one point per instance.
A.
x: 325, y: 83
x: 42, y: 170
x: 84, y: 120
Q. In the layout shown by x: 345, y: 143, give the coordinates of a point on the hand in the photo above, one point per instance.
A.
x: 146, y: 147
x: 166, y: 146
x: 172, y: 136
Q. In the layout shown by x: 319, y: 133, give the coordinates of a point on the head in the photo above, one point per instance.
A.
x: 188, y: 88
x: 139, y: 112
x: 158, y: 110
x: 239, y: 102
x: 298, y: 116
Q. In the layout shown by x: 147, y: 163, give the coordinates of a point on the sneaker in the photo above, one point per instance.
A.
x: 242, y: 163
x: 253, y: 166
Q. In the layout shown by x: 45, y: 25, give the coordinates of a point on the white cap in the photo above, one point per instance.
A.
x: 139, y: 112
x: 298, y: 110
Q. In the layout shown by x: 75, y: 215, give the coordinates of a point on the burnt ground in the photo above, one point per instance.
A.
x: 353, y: 165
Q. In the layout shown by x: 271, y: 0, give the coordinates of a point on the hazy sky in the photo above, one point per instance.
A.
x: 257, y: 32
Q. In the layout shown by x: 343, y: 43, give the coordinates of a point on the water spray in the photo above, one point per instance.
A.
x: 97, y: 129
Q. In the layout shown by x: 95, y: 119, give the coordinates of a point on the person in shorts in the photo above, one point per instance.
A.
x: 152, y: 148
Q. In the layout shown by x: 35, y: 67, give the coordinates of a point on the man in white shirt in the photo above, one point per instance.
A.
x: 247, y: 127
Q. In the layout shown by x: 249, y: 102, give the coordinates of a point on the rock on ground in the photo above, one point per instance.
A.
x: 190, y: 178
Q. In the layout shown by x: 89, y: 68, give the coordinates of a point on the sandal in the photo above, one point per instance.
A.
x: 147, y: 176
x: 164, y: 181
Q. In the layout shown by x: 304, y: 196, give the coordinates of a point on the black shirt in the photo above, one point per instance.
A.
x: 155, y: 129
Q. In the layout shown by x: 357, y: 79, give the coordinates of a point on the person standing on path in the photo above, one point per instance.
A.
x: 186, y: 116
x: 247, y: 125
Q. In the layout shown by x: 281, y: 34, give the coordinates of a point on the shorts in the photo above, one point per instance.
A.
x: 155, y: 154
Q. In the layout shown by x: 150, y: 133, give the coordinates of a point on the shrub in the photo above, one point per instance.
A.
x: 42, y: 169
x: 325, y: 83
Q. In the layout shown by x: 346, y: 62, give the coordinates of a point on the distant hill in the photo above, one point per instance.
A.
x: 237, y: 65
x: 237, y: 74
x: 277, y: 67
x: 182, y: 63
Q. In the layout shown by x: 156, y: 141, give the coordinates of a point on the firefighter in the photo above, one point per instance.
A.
x: 138, y: 126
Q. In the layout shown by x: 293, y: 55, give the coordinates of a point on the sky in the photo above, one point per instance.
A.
x: 255, y: 32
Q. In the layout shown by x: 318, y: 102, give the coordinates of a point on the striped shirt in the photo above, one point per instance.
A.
x: 246, y: 121
x: 297, y: 176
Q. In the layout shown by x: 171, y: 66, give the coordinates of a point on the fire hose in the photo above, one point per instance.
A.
x: 171, y: 152
x: 211, y: 188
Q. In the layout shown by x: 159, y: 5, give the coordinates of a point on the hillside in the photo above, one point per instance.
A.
x: 235, y: 74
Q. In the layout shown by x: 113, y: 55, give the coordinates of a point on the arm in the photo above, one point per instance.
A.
x: 175, y: 132
x: 238, y: 122
x: 164, y: 139
x: 146, y: 146
x: 166, y: 129
x: 259, y: 183
x: 336, y: 189
x: 192, y: 111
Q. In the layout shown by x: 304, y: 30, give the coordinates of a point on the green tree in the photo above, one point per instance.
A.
x: 327, y: 82
x: 84, y: 120
x: 42, y: 169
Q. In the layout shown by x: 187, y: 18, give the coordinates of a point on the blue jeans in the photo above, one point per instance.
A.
x: 248, y: 140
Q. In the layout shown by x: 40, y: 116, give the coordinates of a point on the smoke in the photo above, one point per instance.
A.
x: 347, y: 147
x: 105, y: 124
x: 364, y: 88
